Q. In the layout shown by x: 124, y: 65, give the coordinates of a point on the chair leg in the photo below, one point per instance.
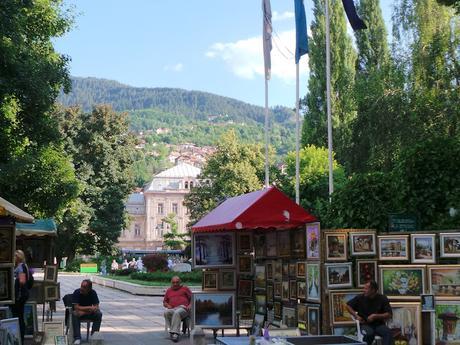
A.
x: 88, y: 324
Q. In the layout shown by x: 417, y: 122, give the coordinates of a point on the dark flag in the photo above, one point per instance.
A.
x: 301, y: 30
x: 355, y: 22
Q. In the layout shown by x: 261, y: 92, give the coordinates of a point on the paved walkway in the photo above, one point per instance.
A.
x: 127, y: 319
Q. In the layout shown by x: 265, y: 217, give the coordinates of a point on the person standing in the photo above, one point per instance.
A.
x: 177, y: 303
x: 21, y: 274
x: 372, y: 309
x: 86, y: 306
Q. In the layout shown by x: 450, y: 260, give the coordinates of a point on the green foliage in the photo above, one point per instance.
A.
x: 74, y: 265
x: 155, y: 262
x: 453, y: 3
x: 124, y: 272
x: 186, y: 277
x: 173, y: 239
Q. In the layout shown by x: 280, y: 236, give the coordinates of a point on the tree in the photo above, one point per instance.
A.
x: 453, y: 3
x: 173, y: 239
x: 343, y: 57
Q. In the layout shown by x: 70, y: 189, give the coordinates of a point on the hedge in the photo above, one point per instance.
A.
x: 186, y: 277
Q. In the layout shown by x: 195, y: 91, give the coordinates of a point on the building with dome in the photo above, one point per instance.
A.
x: 164, y: 195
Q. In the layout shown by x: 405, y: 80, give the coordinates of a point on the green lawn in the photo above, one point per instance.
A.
x: 142, y: 282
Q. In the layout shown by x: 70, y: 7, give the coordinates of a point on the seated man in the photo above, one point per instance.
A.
x: 86, y: 306
x: 177, y: 301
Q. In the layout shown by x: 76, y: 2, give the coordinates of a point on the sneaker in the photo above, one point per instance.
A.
x: 174, y: 337
x: 77, y: 342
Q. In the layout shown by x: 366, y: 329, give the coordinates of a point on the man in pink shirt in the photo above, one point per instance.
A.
x: 177, y: 303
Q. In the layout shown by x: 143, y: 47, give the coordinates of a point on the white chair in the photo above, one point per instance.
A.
x: 360, y: 336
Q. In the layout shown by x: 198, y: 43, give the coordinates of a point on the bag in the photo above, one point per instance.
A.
x: 29, y: 276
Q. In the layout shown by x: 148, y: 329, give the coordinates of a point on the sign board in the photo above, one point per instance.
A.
x: 402, y: 222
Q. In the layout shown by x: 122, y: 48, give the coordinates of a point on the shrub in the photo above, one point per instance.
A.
x: 186, y: 277
x: 124, y: 272
x: 155, y: 262
x: 74, y: 265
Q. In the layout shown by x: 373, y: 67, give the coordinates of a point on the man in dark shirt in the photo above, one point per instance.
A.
x: 372, y: 309
x: 86, y: 306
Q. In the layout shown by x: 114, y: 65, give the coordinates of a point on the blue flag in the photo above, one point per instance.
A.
x: 356, y: 22
x: 301, y: 38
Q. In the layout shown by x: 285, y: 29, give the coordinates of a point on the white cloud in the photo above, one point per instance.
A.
x: 277, y: 17
x: 245, y: 58
x: 178, y: 67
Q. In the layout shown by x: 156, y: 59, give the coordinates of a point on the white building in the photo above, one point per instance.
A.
x: 164, y: 195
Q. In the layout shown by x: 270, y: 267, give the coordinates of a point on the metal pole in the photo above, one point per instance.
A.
x: 328, y: 98
x: 267, y: 178
x: 297, y: 126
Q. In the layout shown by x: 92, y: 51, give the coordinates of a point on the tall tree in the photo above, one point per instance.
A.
x: 173, y: 239
x: 343, y: 57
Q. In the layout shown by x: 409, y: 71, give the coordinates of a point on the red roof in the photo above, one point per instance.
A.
x: 266, y: 208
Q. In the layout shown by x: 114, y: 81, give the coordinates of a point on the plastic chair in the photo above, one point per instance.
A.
x: 360, y: 336
x: 68, y: 303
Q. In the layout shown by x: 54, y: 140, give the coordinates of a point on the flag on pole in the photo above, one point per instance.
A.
x: 301, y: 38
x: 267, y: 36
x: 350, y: 9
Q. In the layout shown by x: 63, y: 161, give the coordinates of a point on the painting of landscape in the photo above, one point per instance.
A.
x: 214, y: 310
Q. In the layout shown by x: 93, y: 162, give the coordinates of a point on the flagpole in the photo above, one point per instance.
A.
x: 328, y: 100
x: 297, y: 135
x: 267, y: 178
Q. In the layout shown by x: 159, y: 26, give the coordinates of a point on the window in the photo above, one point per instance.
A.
x: 191, y: 184
x: 137, y: 230
x: 186, y: 184
x: 160, y: 208
x: 175, y: 209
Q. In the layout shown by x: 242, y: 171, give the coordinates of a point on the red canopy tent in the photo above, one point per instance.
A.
x: 268, y: 208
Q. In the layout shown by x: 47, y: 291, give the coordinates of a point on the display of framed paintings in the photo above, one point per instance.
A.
x: 261, y: 304
x: 213, y: 310
x: 444, y: 280
x: 313, y: 241
x: 272, y: 248
x: 338, y: 275
x: 301, y: 290
x: 406, y: 323
x: 245, y: 264
x: 6, y: 284
x: 50, y: 273
x: 259, y: 245
x: 213, y: 250
x: 362, y: 243
x: 444, y: 323
x: 449, y: 244
x: 367, y: 271
x: 52, y: 292
x: 289, y: 317
x: 393, y: 247
x: 260, y: 277
x: 338, y: 306
x: 51, y: 330
x: 336, y: 246
x: 402, y: 282
x: 245, y: 287
x: 227, y: 279
x: 423, y: 248
x: 244, y: 242
x: 12, y: 334
x: 246, y: 309
x: 298, y: 243
x: 313, y: 288
x: 313, y: 321
x: 210, y: 279
x: 284, y: 244
x: 7, y: 244
x: 300, y: 269
x: 30, y: 319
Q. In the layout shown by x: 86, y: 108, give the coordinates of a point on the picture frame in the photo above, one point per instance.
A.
x: 52, y: 292
x: 449, y: 243
x: 258, y: 324
x: 38, y: 338
x: 423, y: 248
x: 443, y: 322
x: 270, y: 293
x: 52, y: 329
x: 298, y: 243
x: 213, y: 250
x: 7, y: 284
x: 245, y: 287
x: 205, y: 304
x: 269, y: 270
x: 246, y: 309
x: 7, y: 244
x: 259, y: 277
x: 277, y: 289
x: 277, y: 270
x: 362, y: 243
x: 244, y: 242
x: 443, y: 280
x: 272, y: 247
x: 30, y: 319
x: 12, y: 331
x: 313, y: 288
x: 300, y: 269
x: 393, y: 247
x: 284, y: 245
x: 427, y: 302
x: 336, y: 246
x: 406, y: 323
x: 292, y: 269
x: 50, y: 273
x: 5, y: 313
x: 302, y: 313
x: 313, y: 241
x: 245, y: 264
x: 285, y: 290
x: 285, y: 270
x: 339, y: 314
x: 37, y: 293
x: 313, y: 320
x: 344, y: 330
x: 261, y: 303
x: 277, y: 309
x: 289, y: 317
x: 402, y: 282
x: 210, y: 280
x: 227, y: 279
x: 60, y: 340
x: 293, y: 289
x: 301, y: 289
x: 339, y: 275
x: 260, y: 245
x: 366, y: 270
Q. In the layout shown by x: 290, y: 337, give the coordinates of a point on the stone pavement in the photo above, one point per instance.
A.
x: 127, y: 319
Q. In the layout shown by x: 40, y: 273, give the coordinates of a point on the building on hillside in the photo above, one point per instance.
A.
x: 164, y: 195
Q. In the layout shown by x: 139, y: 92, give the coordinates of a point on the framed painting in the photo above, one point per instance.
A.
x: 272, y: 248
x: 338, y: 275
x: 52, y: 329
x: 6, y: 284
x: 277, y: 289
x: 244, y: 242
x: 298, y: 243
x: 285, y: 290
x: 30, y: 319
x: 444, y: 280
x: 313, y: 321
x: 402, y: 282
x: 336, y: 246
x: 60, y: 340
x: 52, y: 291
x: 4, y: 313
x: 285, y: 270
x: 50, y: 273
x: 289, y: 317
x: 406, y: 323
x: 258, y: 324
x: 427, y: 303
x: 300, y: 269
x: 301, y: 313
x: 444, y: 323
x: 393, y: 247
x: 13, y: 333
x: 277, y: 310
x: 213, y: 250
x: 449, y: 244
x: 37, y: 293
x: 261, y: 304
x: 345, y: 330
x: 284, y: 245
x: 269, y: 270
x: 338, y: 306
x: 313, y: 241
x: 293, y: 289
x: 259, y: 245
x: 7, y: 244
x: 363, y: 243
x: 245, y: 288
x: 245, y: 264
x: 213, y: 309
x: 260, y: 277
x: 301, y: 289
x: 367, y: 270
x: 246, y: 309
x: 292, y: 269
x: 210, y: 279
x: 227, y: 279
x: 423, y: 248
x: 313, y: 291
x: 270, y: 293
x: 277, y: 269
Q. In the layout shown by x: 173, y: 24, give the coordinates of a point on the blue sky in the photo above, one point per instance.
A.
x: 206, y: 45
